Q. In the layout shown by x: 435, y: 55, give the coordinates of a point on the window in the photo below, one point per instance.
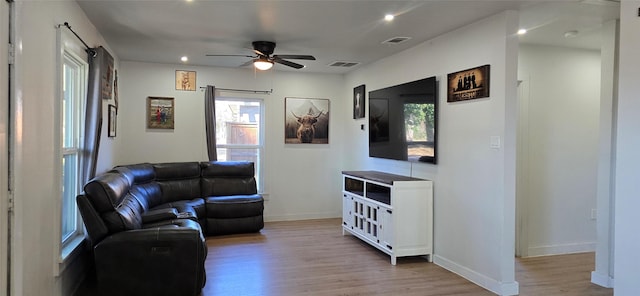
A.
x: 74, y: 80
x: 240, y: 133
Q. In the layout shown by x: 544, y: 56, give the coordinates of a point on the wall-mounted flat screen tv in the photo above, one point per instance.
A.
x: 403, y: 121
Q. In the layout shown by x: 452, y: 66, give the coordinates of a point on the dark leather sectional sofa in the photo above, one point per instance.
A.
x: 147, y: 223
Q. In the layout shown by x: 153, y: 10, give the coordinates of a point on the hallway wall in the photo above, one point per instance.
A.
x: 559, y: 133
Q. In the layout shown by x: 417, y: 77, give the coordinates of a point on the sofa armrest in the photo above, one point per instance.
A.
x: 163, y: 260
x: 159, y: 215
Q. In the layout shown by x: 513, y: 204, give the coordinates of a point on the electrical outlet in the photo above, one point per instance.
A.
x: 594, y: 214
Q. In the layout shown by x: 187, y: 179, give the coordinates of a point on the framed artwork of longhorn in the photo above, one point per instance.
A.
x: 306, y: 121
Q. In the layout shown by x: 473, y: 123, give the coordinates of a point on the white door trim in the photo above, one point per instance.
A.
x: 4, y: 147
x: 522, y: 169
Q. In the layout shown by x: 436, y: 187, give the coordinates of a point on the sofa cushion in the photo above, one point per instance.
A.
x: 195, y: 207
x: 127, y: 215
x: 138, y: 173
x: 159, y: 215
x: 164, y: 258
x: 228, y: 178
x: 96, y: 228
x: 106, y: 191
x: 227, y: 169
x: 177, y: 190
x: 234, y: 206
x: 176, y: 170
x: 216, y: 226
x: 148, y: 194
x: 178, y: 181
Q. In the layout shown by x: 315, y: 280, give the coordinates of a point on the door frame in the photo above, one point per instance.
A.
x: 5, y: 11
x: 522, y: 169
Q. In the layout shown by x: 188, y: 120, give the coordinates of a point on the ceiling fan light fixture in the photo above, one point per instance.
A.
x: 262, y: 64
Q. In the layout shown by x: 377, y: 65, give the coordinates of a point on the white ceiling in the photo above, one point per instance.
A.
x: 331, y: 30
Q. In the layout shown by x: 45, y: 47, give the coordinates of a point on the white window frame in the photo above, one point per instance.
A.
x: 72, y: 52
x: 260, y: 146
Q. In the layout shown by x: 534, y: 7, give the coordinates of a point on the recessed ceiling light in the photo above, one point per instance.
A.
x: 389, y: 17
x: 184, y: 58
x: 522, y: 31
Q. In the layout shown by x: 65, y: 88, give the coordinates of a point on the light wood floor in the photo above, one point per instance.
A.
x: 313, y: 258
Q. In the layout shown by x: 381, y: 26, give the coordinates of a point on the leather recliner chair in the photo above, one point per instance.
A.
x: 146, y: 222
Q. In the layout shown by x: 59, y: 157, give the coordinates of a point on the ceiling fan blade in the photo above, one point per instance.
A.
x: 249, y: 62
x: 295, y: 57
x: 259, y: 53
x: 230, y: 55
x: 287, y: 63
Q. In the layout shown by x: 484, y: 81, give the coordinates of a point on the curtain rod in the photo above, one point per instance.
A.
x: 89, y: 50
x: 266, y: 92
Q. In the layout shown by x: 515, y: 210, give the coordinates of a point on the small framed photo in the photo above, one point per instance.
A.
x: 185, y: 80
x: 160, y: 113
x: 468, y: 84
x: 113, y: 119
x: 358, y: 102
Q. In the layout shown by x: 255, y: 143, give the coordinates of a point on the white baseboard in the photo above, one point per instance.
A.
x: 304, y: 216
x: 603, y: 280
x: 500, y: 288
x: 561, y: 249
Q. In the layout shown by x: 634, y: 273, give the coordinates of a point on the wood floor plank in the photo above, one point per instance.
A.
x: 312, y: 257
x: 558, y: 275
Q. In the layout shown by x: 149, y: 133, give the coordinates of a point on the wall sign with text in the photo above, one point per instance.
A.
x: 468, y: 84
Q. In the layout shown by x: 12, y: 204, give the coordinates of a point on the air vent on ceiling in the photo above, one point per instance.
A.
x: 343, y: 64
x: 396, y: 40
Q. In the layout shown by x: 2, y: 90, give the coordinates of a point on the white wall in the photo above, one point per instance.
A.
x: 34, y: 255
x: 562, y: 154
x: 627, y: 165
x: 302, y: 181
x: 474, y: 187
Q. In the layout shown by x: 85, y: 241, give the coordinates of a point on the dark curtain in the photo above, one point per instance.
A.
x: 93, y: 115
x: 210, y: 121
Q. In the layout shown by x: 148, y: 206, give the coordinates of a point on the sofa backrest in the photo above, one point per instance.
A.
x: 110, y: 196
x: 143, y: 185
x: 220, y: 178
x: 115, y: 201
x: 178, y: 180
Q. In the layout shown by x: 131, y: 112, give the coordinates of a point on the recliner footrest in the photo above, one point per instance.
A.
x: 235, y: 206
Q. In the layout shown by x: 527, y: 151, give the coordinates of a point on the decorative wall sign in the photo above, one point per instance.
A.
x: 106, y: 76
x: 160, y: 113
x: 185, y: 80
x: 306, y: 121
x: 358, y: 102
x: 113, y: 119
x: 115, y: 88
x: 468, y: 84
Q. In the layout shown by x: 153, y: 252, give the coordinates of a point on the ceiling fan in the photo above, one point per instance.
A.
x: 263, y: 60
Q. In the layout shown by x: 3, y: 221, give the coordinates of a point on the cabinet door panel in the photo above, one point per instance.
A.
x: 347, y: 208
x: 386, y: 228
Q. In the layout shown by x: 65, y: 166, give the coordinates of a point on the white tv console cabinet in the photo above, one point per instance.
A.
x: 390, y: 212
